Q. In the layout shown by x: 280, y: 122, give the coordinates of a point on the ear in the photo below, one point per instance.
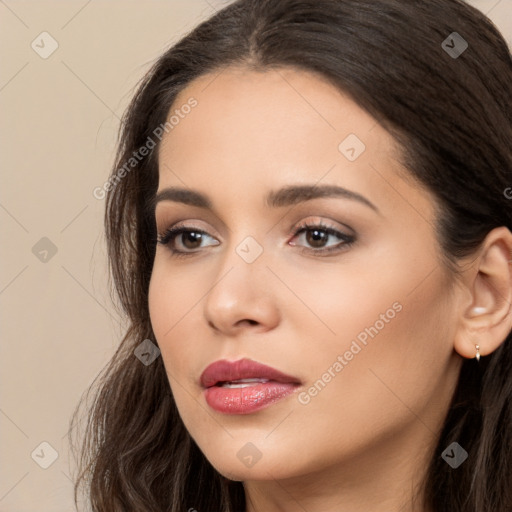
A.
x: 486, y: 311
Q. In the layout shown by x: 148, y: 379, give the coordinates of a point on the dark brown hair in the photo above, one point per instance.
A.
x: 453, y: 120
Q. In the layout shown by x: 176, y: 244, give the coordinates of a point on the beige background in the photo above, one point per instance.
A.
x: 58, y: 126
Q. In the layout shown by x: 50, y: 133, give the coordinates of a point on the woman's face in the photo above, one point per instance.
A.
x: 359, y: 316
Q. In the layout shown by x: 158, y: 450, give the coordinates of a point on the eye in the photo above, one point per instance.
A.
x: 318, y: 236
x: 184, y: 240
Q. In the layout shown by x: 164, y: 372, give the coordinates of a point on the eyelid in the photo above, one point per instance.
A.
x: 174, y: 231
x: 187, y: 224
x: 316, y: 221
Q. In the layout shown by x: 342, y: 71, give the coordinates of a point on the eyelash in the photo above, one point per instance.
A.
x: 171, y: 234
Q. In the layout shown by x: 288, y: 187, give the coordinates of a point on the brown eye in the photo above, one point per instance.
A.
x: 316, y: 237
x: 190, y: 239
x: 183, y: 240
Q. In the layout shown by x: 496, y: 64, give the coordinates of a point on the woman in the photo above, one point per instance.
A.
x: 309, y: 226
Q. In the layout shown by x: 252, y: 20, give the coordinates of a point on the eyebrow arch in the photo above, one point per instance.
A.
x: 287, y: 196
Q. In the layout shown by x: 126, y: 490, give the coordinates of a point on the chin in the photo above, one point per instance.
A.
x: 267, y: 468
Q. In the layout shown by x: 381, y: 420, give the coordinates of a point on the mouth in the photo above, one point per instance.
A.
x: 244, y: 386
x: 241, y: 383
x: 242, y: 373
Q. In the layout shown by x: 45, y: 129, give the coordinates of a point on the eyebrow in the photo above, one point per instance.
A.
x: 287, y: 196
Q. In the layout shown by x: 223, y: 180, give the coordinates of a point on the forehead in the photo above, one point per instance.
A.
x: 276, y: 118
x: 269, y: 107
x: 252, y: 131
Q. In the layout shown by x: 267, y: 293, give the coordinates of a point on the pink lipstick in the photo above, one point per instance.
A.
x: 244, y: 386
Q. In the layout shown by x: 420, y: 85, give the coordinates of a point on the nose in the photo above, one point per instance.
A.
x: 243, y: 296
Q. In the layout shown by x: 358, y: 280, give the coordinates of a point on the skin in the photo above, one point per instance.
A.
x: 363, y: 442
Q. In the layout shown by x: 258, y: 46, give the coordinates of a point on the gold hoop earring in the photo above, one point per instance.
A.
x: 477, y: 352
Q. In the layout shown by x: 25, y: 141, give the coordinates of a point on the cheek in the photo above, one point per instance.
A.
x: 385, y: 336
x: 380, y: 385
x: 175, y: 303
x: 172, y: 294
x: 169, y: 319
x: 159, y: 303
x: 395, y: 348
x: 168, y: 311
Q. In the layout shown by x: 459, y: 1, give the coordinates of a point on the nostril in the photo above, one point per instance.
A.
x: 247, y: 321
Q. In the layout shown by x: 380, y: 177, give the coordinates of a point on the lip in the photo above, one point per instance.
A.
x: 248, y: 399
x: 227, y: 371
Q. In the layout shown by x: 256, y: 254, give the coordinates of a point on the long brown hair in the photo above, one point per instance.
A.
x: 451, y: 114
